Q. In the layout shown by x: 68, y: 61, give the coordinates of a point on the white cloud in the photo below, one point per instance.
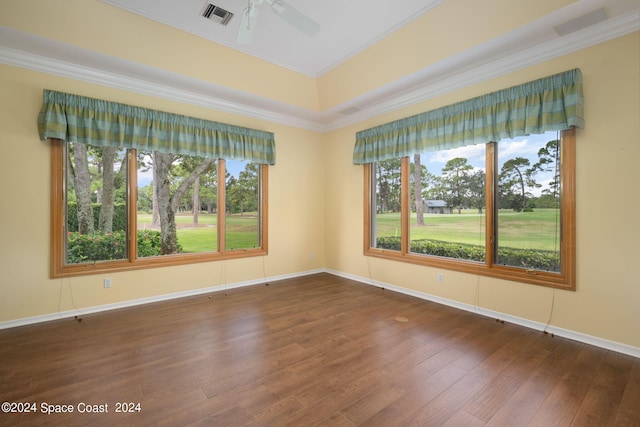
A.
x: 524, y: 146
x: 468, y: 152
x: 509, y: 149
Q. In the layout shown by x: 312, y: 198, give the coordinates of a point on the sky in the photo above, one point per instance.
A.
x: 525, y: 146
x: 233, y: 166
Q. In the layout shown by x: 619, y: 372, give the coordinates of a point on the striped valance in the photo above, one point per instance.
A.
x: 548, y: 104
x: 92, y: 121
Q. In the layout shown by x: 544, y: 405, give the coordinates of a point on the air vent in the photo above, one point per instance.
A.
x: 581, y: 22
x: 350, y: 110
x: 217, y: 14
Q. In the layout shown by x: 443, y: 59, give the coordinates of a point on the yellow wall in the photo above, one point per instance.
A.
x: 296, y: 221
x: 607, y: 301
x: 315, y: 192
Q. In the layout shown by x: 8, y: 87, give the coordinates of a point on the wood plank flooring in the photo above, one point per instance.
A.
x: 313, y: 351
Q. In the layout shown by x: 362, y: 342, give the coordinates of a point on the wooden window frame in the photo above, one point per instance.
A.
x: 565, y: 279
x: 59, y: 268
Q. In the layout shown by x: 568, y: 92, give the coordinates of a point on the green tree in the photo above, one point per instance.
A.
x: 388, y: 181
x: 242, y: 192
x: 145, y: 198
x: 110, y: 180
x: 168, y: 200
x: 477, y: 196
x: 209, y: 189
x: 419, y: 181
x: 549, y: 161
x: 515, y: 178
x: 82, y: 186
x: 455, y: 181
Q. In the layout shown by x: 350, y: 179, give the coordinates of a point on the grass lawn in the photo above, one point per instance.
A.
x: 242, y: 231
x: 532, y: 230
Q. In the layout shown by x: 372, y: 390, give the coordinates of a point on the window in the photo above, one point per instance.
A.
x: 504, y: 209
x: 117, y: 209
x: 487, y: 185
x: 135, y: 188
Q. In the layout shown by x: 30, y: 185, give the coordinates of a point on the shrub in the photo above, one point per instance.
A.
x: 391, y: 243
x: 535, y: 259
x: 149, y: 243
x: 95, y: 247
x: 110, y: 246
x: 449, y: 249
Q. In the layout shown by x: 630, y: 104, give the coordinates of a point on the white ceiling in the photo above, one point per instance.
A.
x: 346, y: 27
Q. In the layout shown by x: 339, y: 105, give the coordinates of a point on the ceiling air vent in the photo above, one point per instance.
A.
x: 581, y: 22
x: 350, y: 110
x: 217, y: 14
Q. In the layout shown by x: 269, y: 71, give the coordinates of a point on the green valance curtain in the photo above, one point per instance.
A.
x: 548, y: 104
x: 93, y: 121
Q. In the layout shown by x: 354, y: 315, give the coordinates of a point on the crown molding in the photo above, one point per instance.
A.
x: 459, y: 72
x: 495, y: 58
x: 50, y: 57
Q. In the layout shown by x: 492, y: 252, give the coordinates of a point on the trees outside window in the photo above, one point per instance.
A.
x: 385, y: 209
x: 96, y: 182
x: 242, y: 216
x: 504, y: 209
x: 451, y: 198
x: 125, y: 209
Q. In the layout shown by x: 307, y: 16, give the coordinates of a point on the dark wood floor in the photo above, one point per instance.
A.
x: 317, y: 350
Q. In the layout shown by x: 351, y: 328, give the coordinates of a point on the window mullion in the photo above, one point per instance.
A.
x: 568, y: 205
x: 58, y: 209
x: 491, y: 183
x: 368, y: 197
x: 263, y: 236
x: 132, y: 204
x: 405, y: 193
x: 222, y: 208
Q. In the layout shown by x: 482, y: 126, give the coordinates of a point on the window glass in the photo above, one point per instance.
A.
x: 502, y: 209
x: 528, y: 219
x: 176, y: 204
x: 95, y: 202
x: 128, y: 209
x: 448, y: 203
x: 386, y: 212
x: 242, y: 216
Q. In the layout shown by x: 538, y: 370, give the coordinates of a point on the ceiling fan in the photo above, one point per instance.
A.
x: 288, y: 13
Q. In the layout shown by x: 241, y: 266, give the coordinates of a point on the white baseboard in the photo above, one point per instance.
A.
x: 565, y: 333
x: 140, y: 301
x: 576, y: 336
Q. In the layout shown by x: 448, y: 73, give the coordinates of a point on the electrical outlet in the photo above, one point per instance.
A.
x: 440, y: 278
x: 107, y: 283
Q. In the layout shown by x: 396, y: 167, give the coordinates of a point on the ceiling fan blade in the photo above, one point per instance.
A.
x: 296, y: 18
x: 247, y: 25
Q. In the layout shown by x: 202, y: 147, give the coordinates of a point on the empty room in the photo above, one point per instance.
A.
x: 336, y: 213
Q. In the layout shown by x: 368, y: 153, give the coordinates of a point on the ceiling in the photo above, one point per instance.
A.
x: 346, y: 27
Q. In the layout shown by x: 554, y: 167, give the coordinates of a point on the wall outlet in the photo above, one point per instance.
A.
x: 107, y: 283
x: 440, y: 278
